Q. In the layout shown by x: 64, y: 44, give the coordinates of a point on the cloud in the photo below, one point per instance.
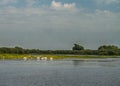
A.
x: 107, y: 1
x: 56, y: 4
x: 29, y: 9
x: 69, y: 6
x: 30, y: 2
x: 45, y: 27
x: 55, y: 31
x: 5, y: 2
x: 59, y: 5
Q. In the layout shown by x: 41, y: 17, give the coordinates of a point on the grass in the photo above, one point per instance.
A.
x: 54, y: 56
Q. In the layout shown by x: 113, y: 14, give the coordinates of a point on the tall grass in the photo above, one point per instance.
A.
x: 29, y: 56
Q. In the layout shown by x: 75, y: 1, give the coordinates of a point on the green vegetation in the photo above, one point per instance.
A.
x: 77, y: 47
x: 108, y: 50
x: 104, y: 51
x: 15, y: 56
x: 34, y: 57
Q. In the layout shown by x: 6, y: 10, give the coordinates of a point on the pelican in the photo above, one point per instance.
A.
x: 24, y: 58
x: 42, y: 58
x: 45, y: 58
x: 51, y: 58
x: 38, y: 58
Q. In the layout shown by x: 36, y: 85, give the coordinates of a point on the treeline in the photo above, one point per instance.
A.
x: 77, y: 50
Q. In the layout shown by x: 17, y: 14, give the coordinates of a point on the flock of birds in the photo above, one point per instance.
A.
x: 39, y: 58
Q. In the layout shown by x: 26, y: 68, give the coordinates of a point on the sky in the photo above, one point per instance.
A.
x: 58, y: 24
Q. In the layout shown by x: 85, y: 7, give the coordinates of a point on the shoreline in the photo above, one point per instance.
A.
x: 52, y: 57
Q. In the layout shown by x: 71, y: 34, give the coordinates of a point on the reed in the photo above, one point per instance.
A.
x: 54, y: 56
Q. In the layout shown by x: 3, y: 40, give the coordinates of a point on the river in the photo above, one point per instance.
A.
x: 60, y: 73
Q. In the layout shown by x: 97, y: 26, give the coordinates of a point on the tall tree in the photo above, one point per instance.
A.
x: 77, y: 47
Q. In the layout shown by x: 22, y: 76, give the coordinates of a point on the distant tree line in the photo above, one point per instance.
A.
x: 76, y: 49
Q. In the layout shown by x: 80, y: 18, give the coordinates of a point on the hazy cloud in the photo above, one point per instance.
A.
x: 5, y: 2
x: 30, y: 2
x: 106, y: 1
x: 57, y: 25
x: 30, y: 10
x: 59, y: 5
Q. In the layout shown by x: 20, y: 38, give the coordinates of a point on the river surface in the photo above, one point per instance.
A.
x: 60, y: 73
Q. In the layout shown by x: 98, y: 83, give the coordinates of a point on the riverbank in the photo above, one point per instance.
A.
x: 53, y: 56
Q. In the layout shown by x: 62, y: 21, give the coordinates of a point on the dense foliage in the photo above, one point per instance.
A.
x: 77, y: 47
x: 109, y: 50
x: 77, y: 50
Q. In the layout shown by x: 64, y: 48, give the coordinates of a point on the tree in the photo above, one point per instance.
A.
x: 77, y: 47
x: 107, y: 47
x: 108, y: 50
x: 18, y: 50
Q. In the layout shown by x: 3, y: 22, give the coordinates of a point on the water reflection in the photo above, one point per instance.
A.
x: 60, y: 73
x: 77, y: 62
x: 95, y: 63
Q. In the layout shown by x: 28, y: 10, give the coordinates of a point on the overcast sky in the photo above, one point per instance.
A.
x: 58, y: 24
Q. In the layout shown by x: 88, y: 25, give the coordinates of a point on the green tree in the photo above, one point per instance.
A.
x: 77, y: 47
x: 107, y: 47
x: 18, y: 50
x: 108, y: 50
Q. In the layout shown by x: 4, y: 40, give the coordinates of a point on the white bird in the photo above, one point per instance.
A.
x: 38, y: 58
x: 42, y: 58
x: 24, y: 58
x: 51, y: 58
x: 45, y: 58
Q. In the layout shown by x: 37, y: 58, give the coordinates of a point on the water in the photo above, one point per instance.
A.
x: 60, y: 73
